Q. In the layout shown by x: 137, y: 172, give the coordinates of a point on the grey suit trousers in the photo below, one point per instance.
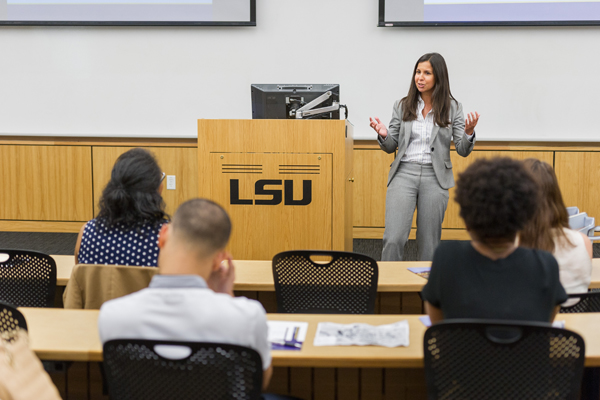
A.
x: 413, y: 185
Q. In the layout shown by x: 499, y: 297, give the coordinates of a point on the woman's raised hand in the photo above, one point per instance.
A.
x: 378, y: 126
x: 471, y: 122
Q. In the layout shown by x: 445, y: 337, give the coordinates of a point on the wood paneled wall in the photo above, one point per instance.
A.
x: 179, y: 161
x: 45, y: 183
x: 577, y: 168
x: 53, y: 185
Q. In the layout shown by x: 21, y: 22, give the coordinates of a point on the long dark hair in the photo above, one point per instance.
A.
x: 131, y: 196
x: 441, y: 92
x: 551, y: 214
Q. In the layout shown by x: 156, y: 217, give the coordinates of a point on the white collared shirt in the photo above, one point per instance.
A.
x: 419, y: 148
x: 183, y: 308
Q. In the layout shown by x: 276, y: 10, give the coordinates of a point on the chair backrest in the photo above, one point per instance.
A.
x: 91, y: 285
x: 478, y: 359
x: 138, y: 369
x: 345, y: 285
x: 27, y: 278
x: 588, y: 302
x: 11, y: 322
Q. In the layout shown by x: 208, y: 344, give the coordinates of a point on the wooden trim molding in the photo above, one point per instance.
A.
x: 41, y: 226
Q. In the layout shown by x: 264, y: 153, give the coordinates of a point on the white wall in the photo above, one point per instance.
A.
x: 528, y: 83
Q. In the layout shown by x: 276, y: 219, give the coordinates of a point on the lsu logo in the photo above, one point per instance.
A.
x: 277, y: 195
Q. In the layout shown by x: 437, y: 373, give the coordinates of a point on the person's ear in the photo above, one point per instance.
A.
x: 164, y: 234
x: 218, y: 260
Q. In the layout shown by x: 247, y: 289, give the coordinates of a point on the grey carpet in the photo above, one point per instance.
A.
x: 49, y: 243
x: 373, y: 247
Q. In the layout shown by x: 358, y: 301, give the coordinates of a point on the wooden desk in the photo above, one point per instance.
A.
x: 72, y: 335
x: 257, y: 275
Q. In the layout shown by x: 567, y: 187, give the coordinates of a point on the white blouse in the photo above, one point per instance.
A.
x: 574, y: 262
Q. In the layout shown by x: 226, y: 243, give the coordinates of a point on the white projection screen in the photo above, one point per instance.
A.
x: 128, y: 12
x: 488, y: 12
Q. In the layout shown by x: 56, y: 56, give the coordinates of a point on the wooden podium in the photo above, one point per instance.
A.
x: 286, y: 184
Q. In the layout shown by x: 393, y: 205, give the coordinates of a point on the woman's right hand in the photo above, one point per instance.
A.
x: 378, y: 126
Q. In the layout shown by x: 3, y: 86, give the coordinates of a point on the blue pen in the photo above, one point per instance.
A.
x: 285, y: 343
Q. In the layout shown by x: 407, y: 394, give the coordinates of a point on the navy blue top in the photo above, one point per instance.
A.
x: 119, y: 245
x: 466, y: 284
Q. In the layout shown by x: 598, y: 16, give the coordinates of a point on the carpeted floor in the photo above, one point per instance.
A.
x: 49, y: 243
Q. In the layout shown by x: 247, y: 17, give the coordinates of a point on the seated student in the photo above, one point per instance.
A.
x: 549, y: 230
x: 490, y: 277
x: 132, y: 212
x: 191, y: 299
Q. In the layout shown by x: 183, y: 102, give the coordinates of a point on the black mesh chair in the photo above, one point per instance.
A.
x: 478, y: 359
x: 11, y: 321
x: 588, y: 302
x: 27, y: 278
x: 135, y: 370
x: 345, y: 285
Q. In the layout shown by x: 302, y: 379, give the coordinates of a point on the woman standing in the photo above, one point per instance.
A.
x: 422, y: 125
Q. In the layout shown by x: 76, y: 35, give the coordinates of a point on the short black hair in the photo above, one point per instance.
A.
x: 131, y: 196
x: 497, y: 197
x: 204, y: 224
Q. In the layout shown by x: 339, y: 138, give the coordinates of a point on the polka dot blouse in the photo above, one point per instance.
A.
x: 119, y: 245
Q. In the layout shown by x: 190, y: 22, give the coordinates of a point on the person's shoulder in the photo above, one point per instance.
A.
x: 455, y: 105
x: 398, y: 104
x: 91, y: 224
x: 123, y: 303
x: 544, y: 258
x: 573, y: 236
x: 247, y: 306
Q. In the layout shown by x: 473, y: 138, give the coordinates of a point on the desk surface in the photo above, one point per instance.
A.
x: 72, y: 335
x: 258, y: 276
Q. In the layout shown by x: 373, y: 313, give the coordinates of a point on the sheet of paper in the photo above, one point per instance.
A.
x: 392, y: 335
x: 421, y: 271
x: 283, y: 335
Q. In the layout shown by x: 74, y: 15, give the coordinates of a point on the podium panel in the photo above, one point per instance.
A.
x: 285, y: 184
x: 263, y: 191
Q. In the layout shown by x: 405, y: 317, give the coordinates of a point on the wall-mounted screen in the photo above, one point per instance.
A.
x: 128, y: 12
x: 488, y: 12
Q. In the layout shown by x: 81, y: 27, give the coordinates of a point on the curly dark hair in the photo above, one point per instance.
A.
x: 497, y: 197
x: 131, y: 196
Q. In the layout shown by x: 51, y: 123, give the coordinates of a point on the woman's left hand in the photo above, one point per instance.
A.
x: 471, y: 122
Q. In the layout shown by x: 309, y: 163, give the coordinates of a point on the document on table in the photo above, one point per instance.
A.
x: 423, y: 272
x: 392, y: 335
x: 287, y: 335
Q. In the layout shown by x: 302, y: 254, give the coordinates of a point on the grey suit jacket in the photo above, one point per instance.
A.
x: 399, y: 136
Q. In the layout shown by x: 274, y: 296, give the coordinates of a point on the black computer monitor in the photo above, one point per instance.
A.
x: 271, y: 101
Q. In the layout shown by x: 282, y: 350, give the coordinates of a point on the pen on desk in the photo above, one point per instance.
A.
x: 287, y: 344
